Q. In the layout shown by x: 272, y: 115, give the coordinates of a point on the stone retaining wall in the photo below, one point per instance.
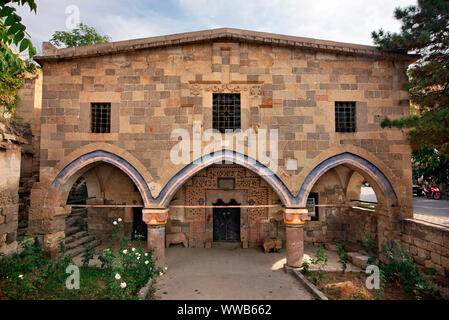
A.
x: 428, y: 244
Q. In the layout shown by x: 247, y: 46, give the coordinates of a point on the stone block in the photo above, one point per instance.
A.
x: 358, y: 259
x: 330, y: 247
x: 445, y: 262
x: 436, y: 258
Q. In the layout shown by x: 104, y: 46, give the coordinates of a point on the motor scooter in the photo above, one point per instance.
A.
x: 432, y: 192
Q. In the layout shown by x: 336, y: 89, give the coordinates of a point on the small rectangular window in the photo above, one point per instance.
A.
x: 345, y: 116
x: 226, y: 112
x: 312, y: 200
x: 101, y: 118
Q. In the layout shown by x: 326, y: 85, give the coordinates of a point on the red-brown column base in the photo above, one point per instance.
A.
x: 295, y: 245
x: 156, y: 241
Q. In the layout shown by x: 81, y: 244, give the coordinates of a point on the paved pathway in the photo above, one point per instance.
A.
x: 227, y: 274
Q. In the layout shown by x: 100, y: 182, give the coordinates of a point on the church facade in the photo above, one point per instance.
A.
x: 223, y: 135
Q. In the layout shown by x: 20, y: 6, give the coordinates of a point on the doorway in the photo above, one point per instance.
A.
x: 226, y: 222
x: 139, y: 227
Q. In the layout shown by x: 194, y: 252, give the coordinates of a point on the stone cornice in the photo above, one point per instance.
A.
x: 223, y: 34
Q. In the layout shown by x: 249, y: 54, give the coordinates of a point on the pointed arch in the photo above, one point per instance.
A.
x: 187, y: 172
x: 108, y: 157
x: 349, y: 159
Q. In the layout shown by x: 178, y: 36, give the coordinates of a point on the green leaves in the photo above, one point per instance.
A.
x: 83, y: 35
x: 12, y: 30
x: 425, y: 29
x: 6, y: 11
x: 12, y: 66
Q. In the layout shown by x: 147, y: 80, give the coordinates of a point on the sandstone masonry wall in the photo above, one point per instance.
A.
x: 155, y: 91
x: 427, y: 243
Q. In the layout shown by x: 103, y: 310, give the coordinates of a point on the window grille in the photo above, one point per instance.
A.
x: 101, y: 118
x: 226, y: 112
x: 345, y: 116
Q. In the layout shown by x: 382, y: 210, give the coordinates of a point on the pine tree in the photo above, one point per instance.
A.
x: 425, y: 32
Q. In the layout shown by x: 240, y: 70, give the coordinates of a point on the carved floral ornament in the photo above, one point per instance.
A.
x: 254, y: 90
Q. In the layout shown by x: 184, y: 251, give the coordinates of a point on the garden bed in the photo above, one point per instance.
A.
x: 31, y: 275
x: 351, y: 286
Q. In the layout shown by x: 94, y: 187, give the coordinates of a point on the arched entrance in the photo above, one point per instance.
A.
x: 340, y: 214
x: 114, y: 188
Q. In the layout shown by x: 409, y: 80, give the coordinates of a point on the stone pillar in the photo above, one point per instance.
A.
x: 294, y: 219
x: 46, y: 221
x: 156, y: 218
x: 388, y: 228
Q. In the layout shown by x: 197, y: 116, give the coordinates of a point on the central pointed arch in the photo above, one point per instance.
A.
x: 187, y: 172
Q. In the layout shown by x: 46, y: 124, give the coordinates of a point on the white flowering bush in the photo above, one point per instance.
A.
x: 130, y: 267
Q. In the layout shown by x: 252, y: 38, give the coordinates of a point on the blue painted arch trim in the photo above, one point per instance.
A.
x: 187, y: 172
x: 343, y: 158
x: 101, y: 155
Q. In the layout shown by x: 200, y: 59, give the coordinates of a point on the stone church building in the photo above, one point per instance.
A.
x: 116, y: 117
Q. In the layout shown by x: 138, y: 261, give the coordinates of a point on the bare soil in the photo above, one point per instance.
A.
x: 351, y: 286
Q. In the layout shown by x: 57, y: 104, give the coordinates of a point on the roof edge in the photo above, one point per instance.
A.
x: 51, y: 53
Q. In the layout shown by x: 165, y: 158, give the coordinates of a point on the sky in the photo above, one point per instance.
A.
x: 343, y: 20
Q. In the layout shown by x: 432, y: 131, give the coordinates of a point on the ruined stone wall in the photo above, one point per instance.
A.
x: 29, y: 104
x: 10, y: 158
x: 155, y: 91
x: 357, y: 224
x: 427, y: 243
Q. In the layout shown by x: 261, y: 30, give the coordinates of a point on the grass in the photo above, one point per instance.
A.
x: 92, y: 286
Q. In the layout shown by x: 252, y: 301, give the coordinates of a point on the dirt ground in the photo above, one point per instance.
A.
x: 351, y: 286
x: 227, y: 273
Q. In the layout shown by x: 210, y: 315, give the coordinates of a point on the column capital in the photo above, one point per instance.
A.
x: 155, y: 216
x: 295, y: 216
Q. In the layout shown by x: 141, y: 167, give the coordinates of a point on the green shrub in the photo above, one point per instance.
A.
x: 402, y: 268
x: 343, y: 257
x: 320, y: 261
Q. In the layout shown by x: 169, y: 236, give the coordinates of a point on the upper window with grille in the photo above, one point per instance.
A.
x: 226, y: 112
x: 345, y: 116
x: 101, y: 118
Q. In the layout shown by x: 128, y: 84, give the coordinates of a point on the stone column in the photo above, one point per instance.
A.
x: 294, y: 219
x: 156, y: 218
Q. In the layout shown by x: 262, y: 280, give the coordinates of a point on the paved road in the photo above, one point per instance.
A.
x: 436, y: 211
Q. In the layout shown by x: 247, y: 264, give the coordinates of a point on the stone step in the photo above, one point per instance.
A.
x: 79, y: 242
x: 79, y: 250
x: 72, y: 230
x: 358, y: 259
x: 75, y: 236
x: 78, y: 211
x: 75, y: 221
x: 77, y: 215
